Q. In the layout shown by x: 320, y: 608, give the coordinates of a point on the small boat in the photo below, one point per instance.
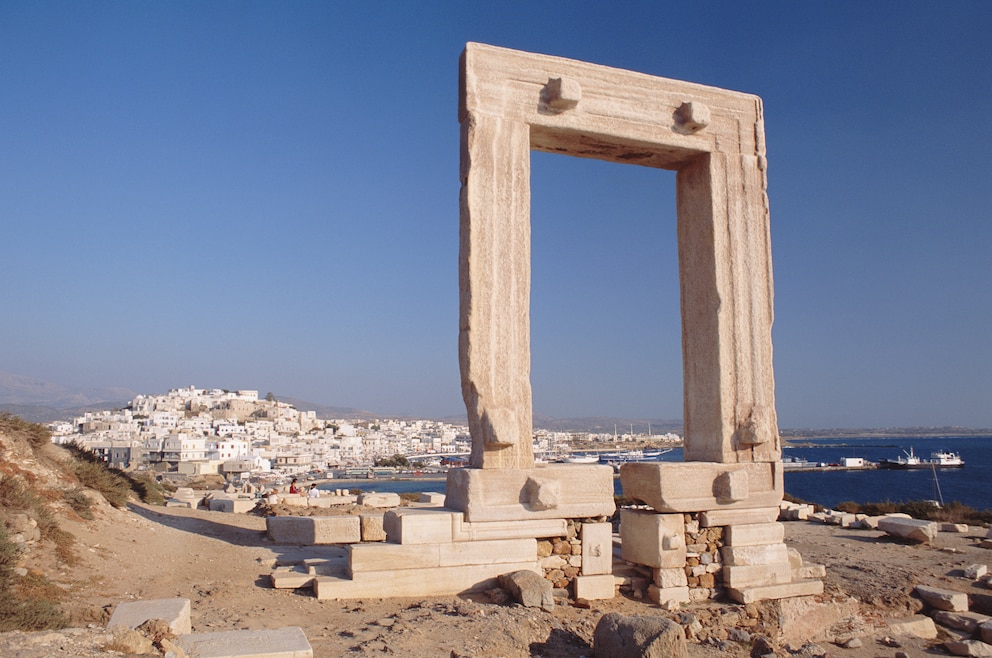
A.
x: 909, y: 460
x: 582, y: 459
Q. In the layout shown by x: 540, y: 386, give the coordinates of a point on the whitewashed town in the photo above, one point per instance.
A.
x: 192, y: 431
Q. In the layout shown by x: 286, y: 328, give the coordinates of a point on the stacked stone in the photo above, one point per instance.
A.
x: 561, y: 559
x: 758, y: 564
x: 703, y: 559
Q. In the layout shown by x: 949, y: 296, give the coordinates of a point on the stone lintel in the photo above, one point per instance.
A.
x: 699, y: 486
x: 780, y: 591
x: 555, y: 491
x: 729, y: 517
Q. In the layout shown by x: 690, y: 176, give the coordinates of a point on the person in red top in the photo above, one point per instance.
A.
x: 293, y: 489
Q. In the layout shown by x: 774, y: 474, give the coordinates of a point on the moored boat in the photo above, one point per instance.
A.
x: 910, y: 460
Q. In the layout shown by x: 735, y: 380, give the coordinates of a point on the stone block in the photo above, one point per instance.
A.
x: 431, y: 498
x: 787, y: 590
x: 730, y: 517
x: 294, y: 500
x: 602, y: 586
x: 372, y: 527
x: 439, y: 581
x: 597, y: 549
x: 373, y: 499
x: 175, y: 612
x: 663, y: 595
x: 667, y: 578
x: 312, y: 530
x: 735, y: 556
x: 654, y: 540
x: 973, y: 648
x: 757, y: 575
x: 842, y: 519
x: 420, y: 526
x: 488, y: 552
x: 478, y: 531
x: 581, y: 491
x: 389, y: 557
x: 975, y: 571
x: 291, y: 577
x: 985, y: 630
x: 957, y: 528
x: 695, y: 486
x: 962, y: 621
x: 811, y: 618
x: 232, y: 505
x: 327, y: 566
x: 918, y: 626
x: 289, y: 642
x: 913, y: 529
x: 943, y: 599
x: 754, y: 534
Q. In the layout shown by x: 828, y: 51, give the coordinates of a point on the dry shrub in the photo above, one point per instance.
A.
x: 15, y: 494
x: 93, y: 472
x: 148, y: 489
x: 36, y: 435
x: 79, y: 502
x: 28, y: 603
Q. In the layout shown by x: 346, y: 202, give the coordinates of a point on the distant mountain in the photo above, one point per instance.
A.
x: 42, y: 401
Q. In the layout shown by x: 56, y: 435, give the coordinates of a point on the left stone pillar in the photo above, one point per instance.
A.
x: 494, y: 280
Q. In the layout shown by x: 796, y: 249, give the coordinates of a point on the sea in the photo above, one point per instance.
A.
x: 968, y: 485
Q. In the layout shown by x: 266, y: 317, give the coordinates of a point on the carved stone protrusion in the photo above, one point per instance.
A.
x: 692, y: 116
x: 731, y: 486
x: 756, y: 428
x: 542, y: 493
x: 561, y: 94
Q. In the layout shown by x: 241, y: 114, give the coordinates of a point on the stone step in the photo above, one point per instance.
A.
x: 387, y: 556
x: 779, y: 591
x: 437, y: 581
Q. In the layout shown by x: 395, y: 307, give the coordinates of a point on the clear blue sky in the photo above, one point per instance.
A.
x: 264, y: 195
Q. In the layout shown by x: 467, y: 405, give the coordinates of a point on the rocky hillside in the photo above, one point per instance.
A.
x: 43, y: 486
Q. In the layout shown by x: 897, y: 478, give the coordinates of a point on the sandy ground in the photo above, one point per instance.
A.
x: 221, y: 562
